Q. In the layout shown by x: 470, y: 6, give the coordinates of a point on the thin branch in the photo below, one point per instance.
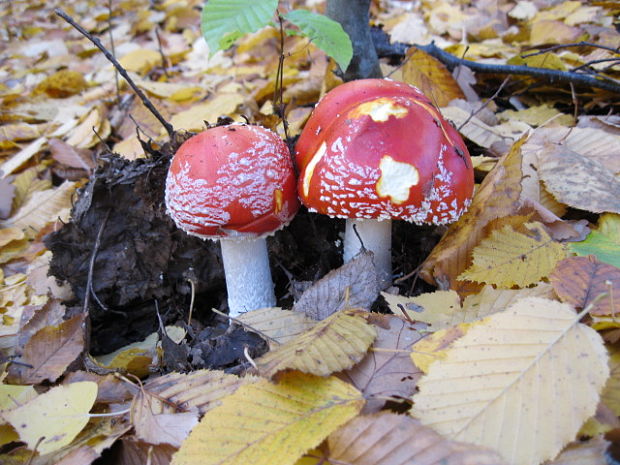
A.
x: 147, y: 103
x: 164, y: 60
x: 112, y: 47
x: 551, y: 75
x: 91, y: 266
x: 575, y: 44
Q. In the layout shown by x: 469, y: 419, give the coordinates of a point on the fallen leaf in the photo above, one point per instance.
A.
x: 509, y: 258
x: 277, y: 325
x: 490, y: 300
x: 590, y: 452
x: 200, y: 390
x: 320, y: 351
x: 270, y: 424
x: 584, y: 281
x: 435, y: 345
x: 141, y: 60
x: 133, y: 452
x: 50, y: 351
x: 62, y: 84
x: 193, y: 119
x: 498, y: 384
x: 579, y: 182
x: 439, y: 309
x: 52, y: 420
x: 353, y: 285
x: 603, y: 242
x: 390, y: 439
x: 387, y: 370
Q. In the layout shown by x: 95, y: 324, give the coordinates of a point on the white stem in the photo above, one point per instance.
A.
x: 248, y: 278
x: 377, y: 237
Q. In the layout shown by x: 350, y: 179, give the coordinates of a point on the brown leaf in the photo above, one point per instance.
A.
x: 591, y: 452
x: 200, y: 390
x: 334, y: 344
x: 498, y: 196
x: 390, y: 439
x: 431, y: 77
x: 581, y: 281
x: 71, y: 156
x: 387, y: 369
x: 49, y: 352
x: 353, y: 285
x: 134, y: 452
x: 277, y: 325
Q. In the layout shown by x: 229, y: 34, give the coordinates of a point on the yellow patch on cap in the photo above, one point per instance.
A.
x: 277, y: 201
x: 396, y: 179
x: 379, y: 110
x: 311, y: 166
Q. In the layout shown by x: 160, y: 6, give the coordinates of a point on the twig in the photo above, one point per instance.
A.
x: 278, y: 95
x: 551, y: 75
x: 164, y: 60
x: 245, y: 325
x: 91, y: 266
x: 575, y: 44
x: 112, y: 47
x: 147, y: 103
x: 486, y: 102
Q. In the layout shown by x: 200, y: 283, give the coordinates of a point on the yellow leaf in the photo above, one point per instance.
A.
x: 611, y: 394
x: 141, y: 60
x: 508, y: 258
x: 434, y: 347
x: 439, y: 309
x: 12, y: 242
x: 321, y: 350
x: 431, y: 77
x: 537, y: 115
x: 504, y: 385
x: 279, y: 326
x: 554, y: 32
x: 270, y: 424
x: 52, y: 420
x: 193, y: 119
x: 545, y: 60
x: 490, y: 300
x: 62, y: 84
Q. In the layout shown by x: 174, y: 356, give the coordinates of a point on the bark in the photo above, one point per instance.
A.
x: 353, y: 16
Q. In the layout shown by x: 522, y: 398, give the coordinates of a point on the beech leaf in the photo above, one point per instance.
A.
x: 278, y: 325
x: 500, y: 384
x: 270, y: 424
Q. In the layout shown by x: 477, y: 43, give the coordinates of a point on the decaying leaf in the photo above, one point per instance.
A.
x: 499, y: 384
x: 332, y: 345
x: 270, y: 424
x: 200, y: 390
x: 387, y: 370
x: 390, y: 439
x: 509, y: 258
x: 49, y: 351
x: 278, y: 325
x: 581, y: 281
x: 579, y: 181
x: 53, y: 419
x: 353, y: 285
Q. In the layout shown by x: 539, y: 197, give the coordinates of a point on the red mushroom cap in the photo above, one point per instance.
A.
x: 232, y: 181
x: 375, y: 148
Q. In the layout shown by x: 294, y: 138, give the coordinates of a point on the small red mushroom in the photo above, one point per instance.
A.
x: 375, y: 150
x: 235, y: 183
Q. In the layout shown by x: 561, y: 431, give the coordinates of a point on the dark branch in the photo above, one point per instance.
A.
x: 147, y: 103
x: 575, y: 44
x: 551, y: 75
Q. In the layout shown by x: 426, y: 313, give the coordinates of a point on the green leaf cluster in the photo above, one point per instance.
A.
x: 224, y: 21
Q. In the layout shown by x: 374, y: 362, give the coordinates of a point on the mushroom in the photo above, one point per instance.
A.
x: 235, y: 183
x: 374, y: 150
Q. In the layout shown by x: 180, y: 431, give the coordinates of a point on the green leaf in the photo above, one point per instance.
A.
x: 604, y: 242
x: 224, y: 21
x: 325, y: 33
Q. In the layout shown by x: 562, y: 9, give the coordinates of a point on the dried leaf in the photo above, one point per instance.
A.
x: 133, y: 452
x: 200, y: 390
x: 387, y: 370
x: 158, y: 423
x: 50, y: 351
x: 580, y: 182
x: 353, y: 285
x: 279, y: 326
x: 22, y: 156
x: 581, y: 281
x: 193, y: 119
x: 270, y: 424
x: 439, y: 309
x: 591, y: 452
x: 434, y: 346
x: 52, y: 420
x: 431, y: 77
x: 498, y: 196
x: 490, y: 300
x: 322, y: 350
x: 71, y: 156
x: 499, y: 384
x: 611, y: 393
x: 390, y: 439
x: 603, y: 242
x: 508, y: 258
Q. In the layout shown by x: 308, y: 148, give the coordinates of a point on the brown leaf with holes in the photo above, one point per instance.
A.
x: 581, y: 281
x: 387, y: 370
x: 49, y: 352
x: 390, y: 439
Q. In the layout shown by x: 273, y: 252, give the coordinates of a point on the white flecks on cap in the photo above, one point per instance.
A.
x: 397, y: 179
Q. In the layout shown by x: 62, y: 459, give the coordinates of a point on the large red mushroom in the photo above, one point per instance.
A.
x: 235, y: 183
x: 375, y: 150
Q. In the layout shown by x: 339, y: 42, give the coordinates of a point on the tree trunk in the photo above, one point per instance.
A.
x: 353, y: 16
